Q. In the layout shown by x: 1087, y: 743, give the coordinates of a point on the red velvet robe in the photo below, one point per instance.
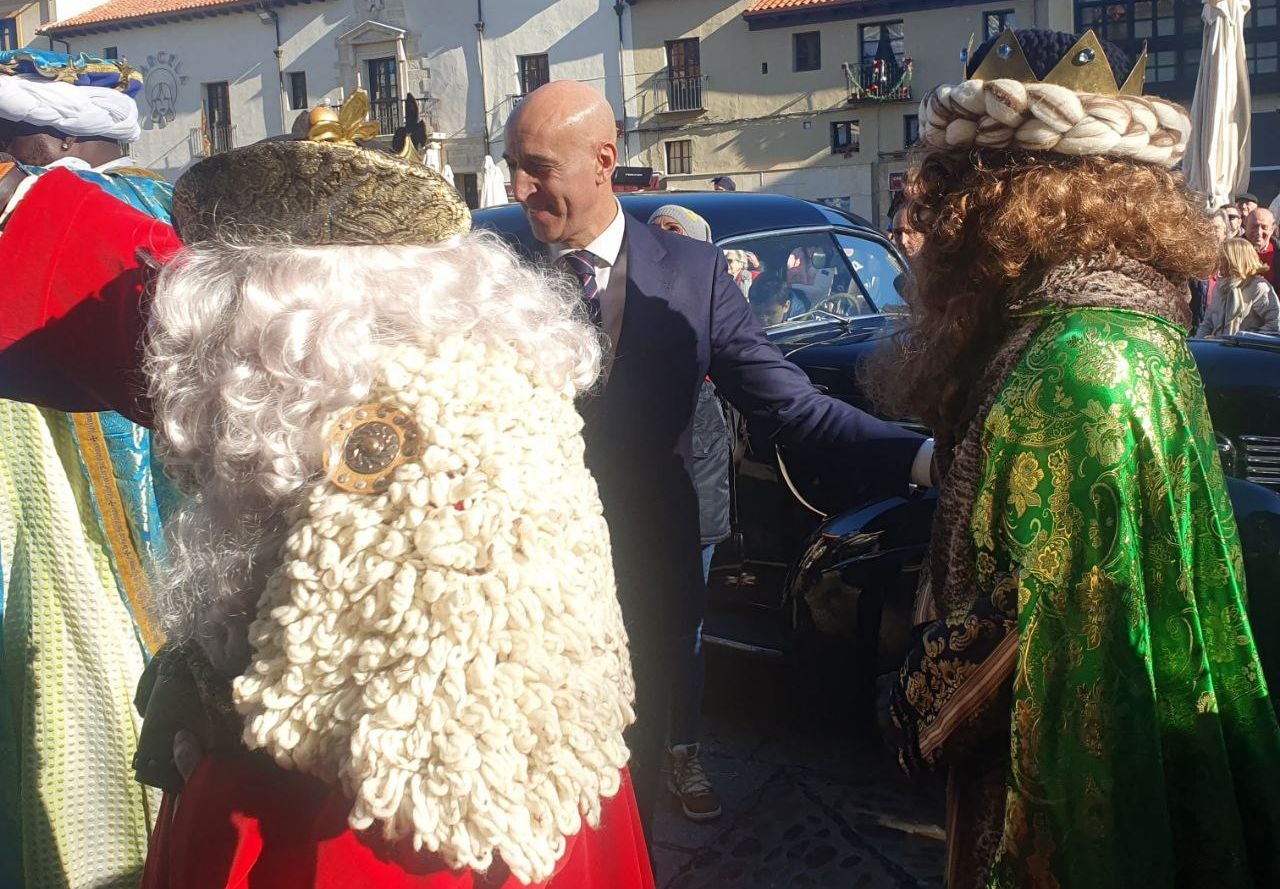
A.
x: 78, y: 265
x: 247, y: 823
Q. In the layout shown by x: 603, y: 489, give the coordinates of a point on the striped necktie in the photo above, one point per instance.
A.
x: 579, y: 263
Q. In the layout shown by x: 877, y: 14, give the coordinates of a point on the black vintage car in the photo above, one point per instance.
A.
x: 806, y: 551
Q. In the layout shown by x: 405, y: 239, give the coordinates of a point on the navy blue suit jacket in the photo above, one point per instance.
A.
x: 685, y: 319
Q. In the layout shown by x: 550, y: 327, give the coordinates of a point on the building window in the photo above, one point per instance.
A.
x: 535, y: 71
x: 384, y: 94
x: 1261, y: 56
x: 807, y: 48
x: 9, y: 34
x: 996, y: 21
x: 844, y: 137
x: 910, y: 130
x: 1172, y: 31
x: 684, y: 75
x: 217, y: 117
x: 1111, y: 21
x: 1154, y: 19
x: 111, y: 52
x: 1262, y: 15
x: 679, y: 157
x: 298, y: 90
x: 883, y: 42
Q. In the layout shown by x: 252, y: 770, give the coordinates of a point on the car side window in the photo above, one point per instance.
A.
x: 788, y: 275
x: 879, y: 270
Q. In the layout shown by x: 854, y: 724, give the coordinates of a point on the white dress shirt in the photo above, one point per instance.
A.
x: 604, y: 249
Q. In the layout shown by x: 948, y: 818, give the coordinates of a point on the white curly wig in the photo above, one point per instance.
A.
x: 251, y: 348
x: 449, y: 648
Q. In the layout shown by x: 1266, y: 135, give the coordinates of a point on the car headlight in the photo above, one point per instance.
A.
x: 1227, y: 454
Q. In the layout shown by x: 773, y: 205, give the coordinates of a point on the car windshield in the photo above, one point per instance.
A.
x: 792, y: 275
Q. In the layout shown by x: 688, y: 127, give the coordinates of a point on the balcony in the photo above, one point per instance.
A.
x: 388, y: 114
x: 683, y: 93
x: 878, y: 81
x: 211, y: 139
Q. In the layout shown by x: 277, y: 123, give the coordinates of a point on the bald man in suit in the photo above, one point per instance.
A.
x: 672, y: 317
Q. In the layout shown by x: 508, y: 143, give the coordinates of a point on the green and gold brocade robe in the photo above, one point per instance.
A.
x: 1103, y: 683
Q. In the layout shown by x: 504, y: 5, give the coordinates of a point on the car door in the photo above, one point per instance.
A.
x: 778, y: 498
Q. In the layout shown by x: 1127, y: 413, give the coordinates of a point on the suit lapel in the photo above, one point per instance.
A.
x: 648, y: 276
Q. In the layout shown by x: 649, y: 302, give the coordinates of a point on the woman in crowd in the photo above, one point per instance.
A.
x: 740, y: 269
x: 1242, y: 301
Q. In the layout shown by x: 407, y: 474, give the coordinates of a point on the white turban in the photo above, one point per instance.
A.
x: 86, y: 111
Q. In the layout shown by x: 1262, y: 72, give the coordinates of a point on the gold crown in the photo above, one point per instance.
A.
x: 349, y: 125
x: 1084, y: 68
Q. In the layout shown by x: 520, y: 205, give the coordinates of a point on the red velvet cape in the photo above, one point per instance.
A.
x: 245, y: 823
x: 78, y: 265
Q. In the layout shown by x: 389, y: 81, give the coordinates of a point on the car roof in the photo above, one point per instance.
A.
x: 730, y: 214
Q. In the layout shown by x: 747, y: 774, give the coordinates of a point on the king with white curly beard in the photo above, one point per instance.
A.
x: 394, y: 652
x: 397, y: 566
x: 451, y: 650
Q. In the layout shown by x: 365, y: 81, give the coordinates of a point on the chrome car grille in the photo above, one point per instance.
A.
x: 1262, y: 459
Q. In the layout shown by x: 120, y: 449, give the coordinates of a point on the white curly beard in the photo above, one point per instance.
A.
x: 451, y: 651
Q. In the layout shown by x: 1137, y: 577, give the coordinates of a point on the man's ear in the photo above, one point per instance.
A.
x: 606, y: 162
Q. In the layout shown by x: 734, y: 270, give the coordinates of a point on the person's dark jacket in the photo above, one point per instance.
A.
x: 711, y: 465
x: 684, y: 320
x: 1199, y: 301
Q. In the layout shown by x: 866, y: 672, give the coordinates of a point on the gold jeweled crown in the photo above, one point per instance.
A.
x: 326, y: 189
x: 1084, y: 68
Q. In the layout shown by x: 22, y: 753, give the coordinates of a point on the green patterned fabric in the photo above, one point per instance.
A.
x: 1142, y: 747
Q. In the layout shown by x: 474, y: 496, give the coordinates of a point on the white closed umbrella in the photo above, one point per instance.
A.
x: 1217, y: 161
x: 447, y: 173
x: 493, y: 188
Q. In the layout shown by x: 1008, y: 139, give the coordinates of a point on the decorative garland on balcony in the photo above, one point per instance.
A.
x: 879, y: 90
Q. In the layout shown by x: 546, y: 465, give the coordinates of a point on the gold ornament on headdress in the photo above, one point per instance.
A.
x: 1084, y: 68
x: 348, y: 126
x: 127, y: 72
x: 69, y: 73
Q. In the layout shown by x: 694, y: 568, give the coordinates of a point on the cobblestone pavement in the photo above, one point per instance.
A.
x: 804, y: 805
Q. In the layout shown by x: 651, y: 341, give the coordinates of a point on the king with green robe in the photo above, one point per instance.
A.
x: 1085, y: 672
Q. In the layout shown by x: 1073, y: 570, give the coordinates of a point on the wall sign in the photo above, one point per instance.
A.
x: 163, y: 79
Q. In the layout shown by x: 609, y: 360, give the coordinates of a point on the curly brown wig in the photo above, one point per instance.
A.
x: 994, y: 223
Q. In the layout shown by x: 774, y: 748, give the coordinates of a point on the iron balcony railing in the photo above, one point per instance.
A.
x: 684, y: 93
x: 878, y: 80
x: 222, y: 137
x: 389, y: 115
x: 208, y: 140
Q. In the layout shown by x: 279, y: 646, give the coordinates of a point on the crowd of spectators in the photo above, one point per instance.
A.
x: 1240, y: 297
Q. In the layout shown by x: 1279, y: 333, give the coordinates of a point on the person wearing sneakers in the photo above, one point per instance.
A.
x: 686, y: 778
